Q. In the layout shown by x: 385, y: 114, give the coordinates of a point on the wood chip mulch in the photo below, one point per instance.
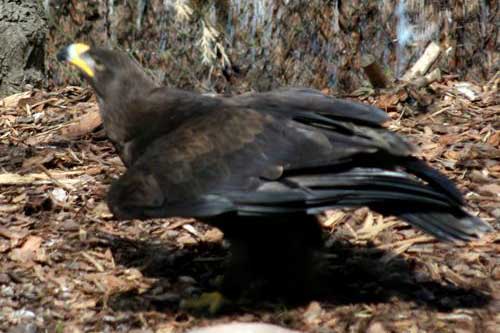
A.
x: 67, y: 266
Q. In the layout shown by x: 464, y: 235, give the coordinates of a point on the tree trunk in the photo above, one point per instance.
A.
x: 275, y: 43
x: 23, y: 30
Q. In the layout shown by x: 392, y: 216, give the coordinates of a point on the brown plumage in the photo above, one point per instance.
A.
x: 261, y: 163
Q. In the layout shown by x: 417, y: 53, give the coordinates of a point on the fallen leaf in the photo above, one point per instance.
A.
x: 114, y: 284
x: 449, y: 139
x: 29, y: 250
x: 12, y: 100
x: 494, y: 139
x: 102, y: 211
x: 332, y: 218
x: 84, y: 125
x: 111, y: 283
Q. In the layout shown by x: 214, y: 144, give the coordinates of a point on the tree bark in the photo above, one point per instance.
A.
x: 23, y: 29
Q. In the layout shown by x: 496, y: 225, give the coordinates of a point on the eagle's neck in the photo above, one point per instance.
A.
x: 122, y: 112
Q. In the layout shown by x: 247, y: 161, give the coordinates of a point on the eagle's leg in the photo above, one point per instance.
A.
x: 272, y: 257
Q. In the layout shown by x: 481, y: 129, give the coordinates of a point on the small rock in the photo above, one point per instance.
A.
x: 191, y: 291
x: 60, y: 194
x: 187, y: 279
x: 166, y: 298
x: 376, y: 327
x: 242, y: 328
x: 69, y: 225
x: 7, y: 291
x: 171, y: 233
x: 23, y: 314
x: 37, y: 116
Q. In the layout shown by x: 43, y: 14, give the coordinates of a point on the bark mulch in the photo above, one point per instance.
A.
x: 67, y: 266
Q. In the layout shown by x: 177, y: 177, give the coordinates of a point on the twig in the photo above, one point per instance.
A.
x: 411, y: 241
x: 54, y: 180
x: 94, y: 262
x: 423, y: 81
x: 423, y: 64
x: 39, y: 178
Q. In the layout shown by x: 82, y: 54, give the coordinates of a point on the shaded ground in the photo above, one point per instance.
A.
x: 66, y: 266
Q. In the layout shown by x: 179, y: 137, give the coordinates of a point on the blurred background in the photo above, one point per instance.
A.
x: 230, y: 46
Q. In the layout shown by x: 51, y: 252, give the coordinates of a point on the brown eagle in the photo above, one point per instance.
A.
x: 260, y: 166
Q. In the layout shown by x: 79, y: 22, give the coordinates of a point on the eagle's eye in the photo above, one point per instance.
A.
x: 99, y: 66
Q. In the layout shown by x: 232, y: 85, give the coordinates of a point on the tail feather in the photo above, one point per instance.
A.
x: 446, y: 226
x: 435, y: 178
x: 434, y: 207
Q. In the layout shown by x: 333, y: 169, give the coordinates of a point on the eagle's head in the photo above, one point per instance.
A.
x: 107, y: 71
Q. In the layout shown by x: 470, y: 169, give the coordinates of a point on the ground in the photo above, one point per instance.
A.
x: 67, y: 266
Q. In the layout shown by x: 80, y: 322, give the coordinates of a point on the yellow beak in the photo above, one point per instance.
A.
x: 73, y: 54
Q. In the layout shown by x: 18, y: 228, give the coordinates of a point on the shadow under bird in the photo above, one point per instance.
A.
x: 260, y: 166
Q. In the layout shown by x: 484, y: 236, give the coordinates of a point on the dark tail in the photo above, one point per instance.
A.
x: 433, y: 177
x: 453, y: 224
x: 434, y: 207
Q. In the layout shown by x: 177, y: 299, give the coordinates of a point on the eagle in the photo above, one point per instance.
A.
x: 261, y: 166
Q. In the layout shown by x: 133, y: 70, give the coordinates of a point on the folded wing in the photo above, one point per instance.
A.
x: 249, y: 161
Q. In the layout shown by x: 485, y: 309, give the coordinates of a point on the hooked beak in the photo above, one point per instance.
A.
x: 75, y: 54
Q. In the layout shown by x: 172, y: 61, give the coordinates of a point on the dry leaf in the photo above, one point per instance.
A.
x: 29, y: 250
x: 494, y: 139
x: 449, y: 139
x: 332, y: 218
x: 102, y: 211
x: 111, y: 283
x: 11, y: 101
x: 84, y: 125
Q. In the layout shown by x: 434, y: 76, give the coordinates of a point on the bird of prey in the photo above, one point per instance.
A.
x: 260, y: 166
